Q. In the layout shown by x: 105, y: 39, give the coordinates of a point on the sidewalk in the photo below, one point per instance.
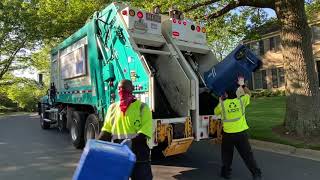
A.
x: 286, y: 150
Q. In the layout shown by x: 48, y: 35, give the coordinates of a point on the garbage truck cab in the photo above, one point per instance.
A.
x: 118, y: 43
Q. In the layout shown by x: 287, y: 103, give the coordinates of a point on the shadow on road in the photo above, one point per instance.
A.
x: 196, y: 164
x: 28, y: 152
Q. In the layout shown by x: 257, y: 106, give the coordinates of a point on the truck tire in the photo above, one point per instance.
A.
x: 77, y: 130
x: 43, y: 124
x: 91, y: 130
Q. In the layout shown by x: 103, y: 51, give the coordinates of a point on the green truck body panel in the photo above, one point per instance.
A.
x: 99, y: 57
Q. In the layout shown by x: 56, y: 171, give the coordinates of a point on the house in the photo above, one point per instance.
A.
x: 268, y: 46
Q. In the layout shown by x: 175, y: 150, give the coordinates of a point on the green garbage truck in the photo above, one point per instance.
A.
x: 162, y: 55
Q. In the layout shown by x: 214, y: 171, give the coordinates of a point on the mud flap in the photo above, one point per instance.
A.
x: 178, y: 146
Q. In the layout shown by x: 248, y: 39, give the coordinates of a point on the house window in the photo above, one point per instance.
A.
x: 260, y: 79
x: 277, y: 43
x: 272, y: 43
x: 261, y: 48
x: 277, y: 77
x: 255, y: 47
x: 274, y: 78
x: 315, y: 33
x: 250, y: 83
x: 318, y: 68
x: 257, y: 80
x: 281, y: 77
x: 264, y: 79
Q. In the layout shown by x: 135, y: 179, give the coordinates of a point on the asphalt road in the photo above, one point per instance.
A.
x: 29, y: 153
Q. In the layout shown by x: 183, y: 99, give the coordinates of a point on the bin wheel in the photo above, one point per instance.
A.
x: 76, y: 130
x: 91, y: 130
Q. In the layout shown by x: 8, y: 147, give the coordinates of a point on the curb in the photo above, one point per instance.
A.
x: 285, y: 150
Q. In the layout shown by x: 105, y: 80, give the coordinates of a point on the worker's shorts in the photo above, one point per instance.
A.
x: 142, y: 171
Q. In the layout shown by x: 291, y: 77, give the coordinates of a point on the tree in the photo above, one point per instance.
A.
x: 15, y: 35
x: 28, y: 31
x: 303, y: 102
x: 27, y: 26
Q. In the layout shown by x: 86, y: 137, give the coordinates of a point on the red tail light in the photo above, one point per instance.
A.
x: 124, y: 12
x: 140, y: 14
x: 198, y: 28
x: 175, y: 33
x: 179, y: 22
x: 174, y: 20
x: 184, y: 23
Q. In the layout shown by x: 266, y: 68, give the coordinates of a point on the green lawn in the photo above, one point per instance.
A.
x: 265, y: 113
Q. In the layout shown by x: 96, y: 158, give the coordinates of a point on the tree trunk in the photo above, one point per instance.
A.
x: 303, y: 102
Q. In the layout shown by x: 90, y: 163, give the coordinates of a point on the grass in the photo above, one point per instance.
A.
x: 265, y: 113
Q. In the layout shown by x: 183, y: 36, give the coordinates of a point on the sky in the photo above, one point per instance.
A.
x: 270, y: 12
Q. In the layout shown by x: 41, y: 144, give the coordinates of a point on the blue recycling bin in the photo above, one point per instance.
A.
x: 105, y: 161
x: 240, y: 62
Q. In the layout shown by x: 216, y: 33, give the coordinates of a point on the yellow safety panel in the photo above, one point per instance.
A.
x: 178, y: 146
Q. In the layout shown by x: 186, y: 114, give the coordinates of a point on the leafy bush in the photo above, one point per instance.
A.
x: 25, y: 96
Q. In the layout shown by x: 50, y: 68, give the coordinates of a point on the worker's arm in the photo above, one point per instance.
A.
x: 243, y: 86
x: 218, y: 109
x: 145, y: 131
x: 246, y: 90
x: 246, y: 98
x: 140, y: 138
x: 106, y: 134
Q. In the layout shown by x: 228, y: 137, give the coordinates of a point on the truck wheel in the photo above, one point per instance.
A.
x: 44, y: 124
x: 92, y: 127
x: 76, y: 130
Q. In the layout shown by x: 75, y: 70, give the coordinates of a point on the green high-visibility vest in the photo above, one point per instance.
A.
x: 136, y: 119
x: 232, y: 113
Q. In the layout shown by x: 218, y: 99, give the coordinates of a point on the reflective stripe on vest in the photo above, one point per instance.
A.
x: 224, y: 116
x: 124, y: 136
x: 113, y: 110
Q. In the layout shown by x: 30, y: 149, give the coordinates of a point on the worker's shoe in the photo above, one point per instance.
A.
x: 225, y: 176
x: 225, y: 173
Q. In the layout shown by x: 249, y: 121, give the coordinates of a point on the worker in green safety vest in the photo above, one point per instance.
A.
x: 232, y: 111
x: 130, y: 119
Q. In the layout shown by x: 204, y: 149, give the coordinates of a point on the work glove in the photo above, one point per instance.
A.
x: 241, y: 81
x: 240, y: 92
